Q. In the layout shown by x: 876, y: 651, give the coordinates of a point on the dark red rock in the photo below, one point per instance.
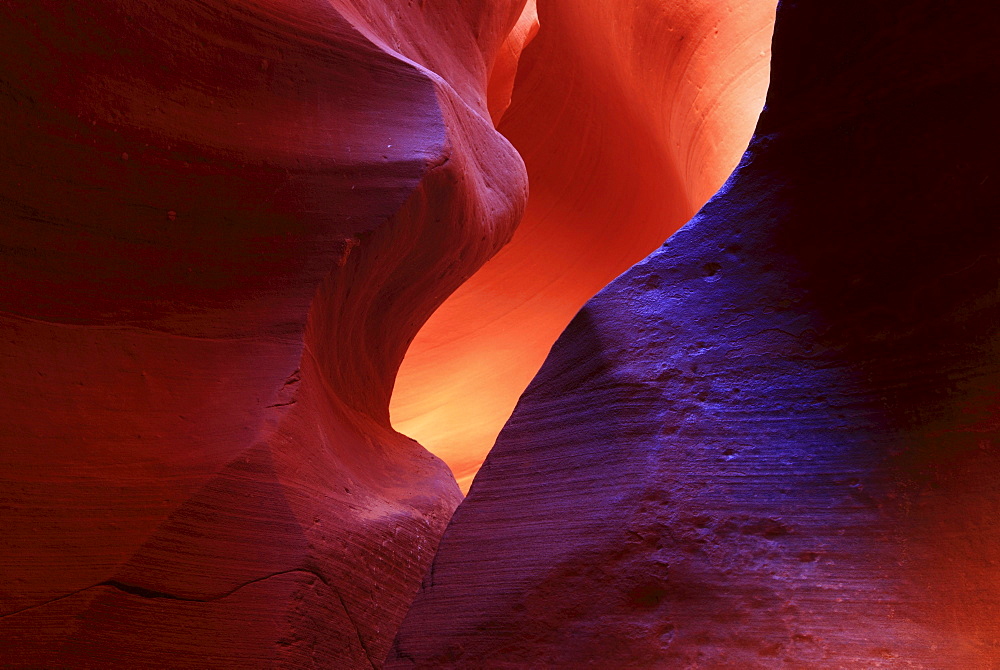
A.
x: 220, y: 225
x: 774, y: 443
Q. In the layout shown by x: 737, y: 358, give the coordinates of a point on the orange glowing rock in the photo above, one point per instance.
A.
x: 504, y: 71
x: 628, y: 115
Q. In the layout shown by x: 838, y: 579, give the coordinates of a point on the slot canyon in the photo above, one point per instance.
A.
x: 613, y: 334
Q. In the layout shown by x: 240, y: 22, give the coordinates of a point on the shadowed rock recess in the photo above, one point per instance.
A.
x: 774, y: 442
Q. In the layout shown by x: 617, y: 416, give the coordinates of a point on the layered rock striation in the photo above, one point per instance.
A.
x: 220, y: 225
x: 774, y: 442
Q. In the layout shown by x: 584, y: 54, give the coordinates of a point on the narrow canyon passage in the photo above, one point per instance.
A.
x: 629, y: 116
x: 775, y: 442
x: 255, y: 253
x: 223, y: 223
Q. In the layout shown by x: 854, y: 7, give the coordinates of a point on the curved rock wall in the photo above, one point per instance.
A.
x: 629, y: 115
x: 774, y: 442
x: 222, y: 223
x: 771, y: 443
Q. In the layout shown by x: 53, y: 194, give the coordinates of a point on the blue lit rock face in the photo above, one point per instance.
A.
x: 774, y: 443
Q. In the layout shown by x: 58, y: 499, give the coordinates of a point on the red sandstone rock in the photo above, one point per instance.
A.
x: 629, y: 115
x: 504, y: 70
x: 220, y: 225
x: 774, y: 443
